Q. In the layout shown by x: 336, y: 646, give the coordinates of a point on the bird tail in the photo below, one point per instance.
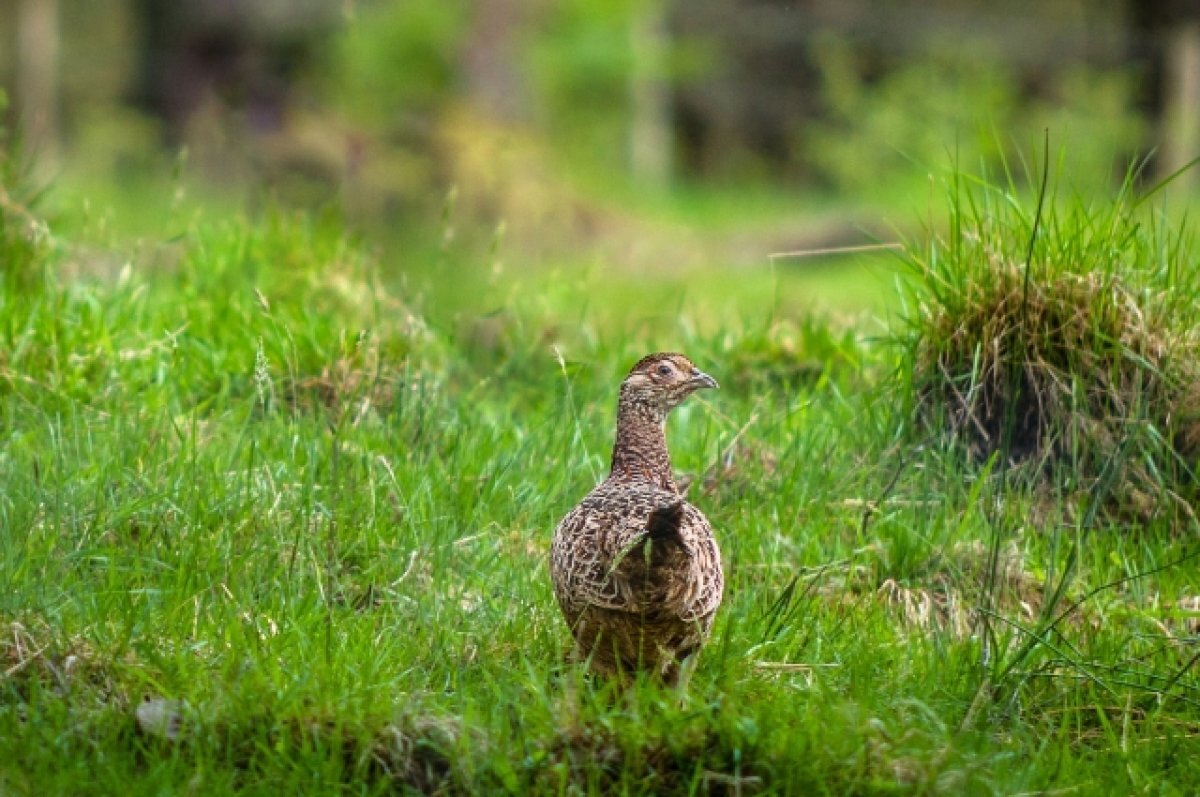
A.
x: 665, y: 521
x: 662, y: 529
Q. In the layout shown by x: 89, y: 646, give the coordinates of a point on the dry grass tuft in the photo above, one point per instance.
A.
x: 1089, y: 373
x: 29, y: 652
x: 945, y: 598
x: 929, y: 609
x: 418, y: 752
x: 344, y: 386
x: 369, y: 377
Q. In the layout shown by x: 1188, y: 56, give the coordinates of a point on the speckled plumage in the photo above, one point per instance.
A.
x: 635, y: 567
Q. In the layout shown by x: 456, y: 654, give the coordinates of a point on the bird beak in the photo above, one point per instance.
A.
x: 700, y: 380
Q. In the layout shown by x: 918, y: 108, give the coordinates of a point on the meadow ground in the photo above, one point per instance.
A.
x: 261, y: 487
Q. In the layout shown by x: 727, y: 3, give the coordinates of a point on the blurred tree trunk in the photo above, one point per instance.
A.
x: 1166, y: 43
x: 37, y: 79
x: 1181, y: 106
x: 650, y: 132
x: 493, y: 77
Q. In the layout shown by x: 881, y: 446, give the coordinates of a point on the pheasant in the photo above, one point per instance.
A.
x: 635, y: 567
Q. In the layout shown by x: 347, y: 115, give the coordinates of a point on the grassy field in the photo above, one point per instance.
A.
x: 259, y: 484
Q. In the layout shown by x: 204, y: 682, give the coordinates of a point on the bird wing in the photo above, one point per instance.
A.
x: 591, y: 544
x: 601, y: 552
x: 701, y: 545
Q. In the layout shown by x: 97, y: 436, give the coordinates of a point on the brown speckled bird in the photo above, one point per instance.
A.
x: 635, y: 567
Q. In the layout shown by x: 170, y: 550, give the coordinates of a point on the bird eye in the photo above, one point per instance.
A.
x: 664, y: 370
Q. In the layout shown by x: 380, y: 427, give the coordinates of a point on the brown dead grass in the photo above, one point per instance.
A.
x: 30, y: 651
x: 946, y: 599
x: 1089, y: 374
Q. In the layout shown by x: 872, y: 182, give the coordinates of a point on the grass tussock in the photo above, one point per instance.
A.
x: 1064, y: 344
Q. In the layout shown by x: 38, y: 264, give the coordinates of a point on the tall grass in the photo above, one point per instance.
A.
x: 253, y: 485
x: 1051, y: 346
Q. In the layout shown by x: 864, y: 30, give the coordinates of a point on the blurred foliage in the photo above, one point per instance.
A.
x: 913, y: 116
x: 790, y: 101
x: 394, y: 63
x: 24, y: 238
x: 398, y: 67
x: 961, y: 103
x: 122, y: 143
x: 579, y: 62
x: 1091, y: 114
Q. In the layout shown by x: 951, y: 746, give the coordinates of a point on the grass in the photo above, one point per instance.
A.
x: 1062, y: 339
x: 259, y: 480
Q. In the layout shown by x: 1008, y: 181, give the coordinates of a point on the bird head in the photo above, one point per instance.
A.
x: 663, y: 380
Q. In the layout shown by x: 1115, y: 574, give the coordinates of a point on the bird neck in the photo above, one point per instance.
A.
x: 640, y: 451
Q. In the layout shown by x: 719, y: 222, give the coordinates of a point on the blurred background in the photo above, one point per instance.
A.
x: 644, y: 133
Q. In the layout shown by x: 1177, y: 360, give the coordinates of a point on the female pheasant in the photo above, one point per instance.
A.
x: 635, y: 567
